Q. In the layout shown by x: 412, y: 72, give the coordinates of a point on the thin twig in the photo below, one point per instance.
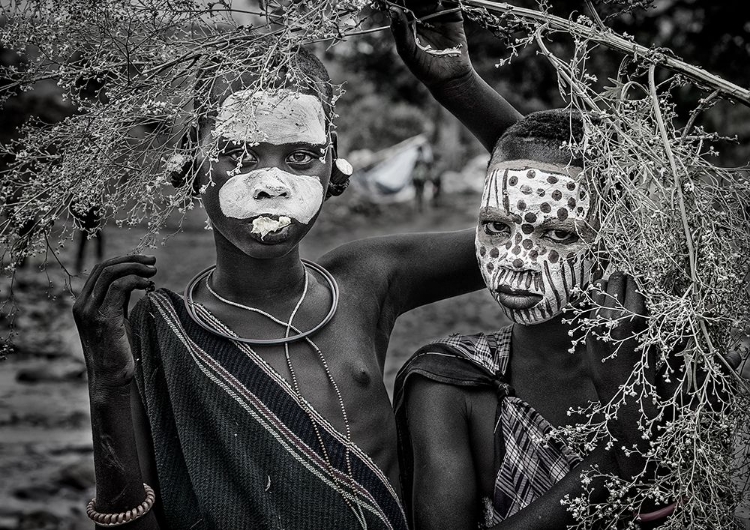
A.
x: 616, y: 42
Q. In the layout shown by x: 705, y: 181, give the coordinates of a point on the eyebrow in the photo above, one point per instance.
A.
x: 554, y: 222
x: 490, y: 213
x: 224, y: 142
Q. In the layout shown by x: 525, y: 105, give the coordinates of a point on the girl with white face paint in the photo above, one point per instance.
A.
x: 266, y: 376
x: 273, y: 167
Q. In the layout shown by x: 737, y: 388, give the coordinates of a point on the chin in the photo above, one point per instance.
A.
x: 272, y: 245
x: 536, y: 314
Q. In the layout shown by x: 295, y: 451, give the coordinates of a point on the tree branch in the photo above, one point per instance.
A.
x: 616, y: 42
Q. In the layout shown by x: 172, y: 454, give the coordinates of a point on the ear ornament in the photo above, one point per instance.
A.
x: 342, y: 171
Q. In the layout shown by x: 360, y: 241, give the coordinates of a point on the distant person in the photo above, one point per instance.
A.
x: 437, y: 186
x: 90, y: 222
x: 421, y: 173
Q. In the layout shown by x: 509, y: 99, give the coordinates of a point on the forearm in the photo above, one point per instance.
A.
x: 477, y: 105
x: 119, y: 482
x: 547, y: 512
x: 433, y: 266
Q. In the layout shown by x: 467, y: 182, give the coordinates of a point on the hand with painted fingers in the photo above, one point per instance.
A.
x: 613, y: 347
x: 435, y: 50
x: 615, y: 355
x: 100, y: 315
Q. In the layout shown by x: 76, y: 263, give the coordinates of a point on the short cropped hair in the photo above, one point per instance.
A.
x: 543, y: 136
x: 303, y: 71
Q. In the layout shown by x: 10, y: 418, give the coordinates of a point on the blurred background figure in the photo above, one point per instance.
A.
x: 421, y: 173
x: 90, y: 221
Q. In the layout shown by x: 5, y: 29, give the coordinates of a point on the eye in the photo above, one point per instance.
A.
x: 300, y: 158
x: 242, y: 157
x: 561, y: 236
x: 496, y: 228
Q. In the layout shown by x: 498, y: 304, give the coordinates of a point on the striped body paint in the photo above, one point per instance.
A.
x: 533, y: 237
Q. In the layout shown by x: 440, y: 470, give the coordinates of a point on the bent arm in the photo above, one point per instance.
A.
x: 445, y: 492
x: 119, y: 480
x: 451, y: 473
x: 478, y: 106
x: 104, y: 332
x: 449, y: 75
x: 411, y: 270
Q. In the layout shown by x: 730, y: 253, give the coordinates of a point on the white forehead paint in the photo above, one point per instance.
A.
x: 278, y: 118
x: 533, y: 199
x: 271, y: 192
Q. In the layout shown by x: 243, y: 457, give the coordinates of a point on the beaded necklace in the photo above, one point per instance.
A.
x: 207, y: 274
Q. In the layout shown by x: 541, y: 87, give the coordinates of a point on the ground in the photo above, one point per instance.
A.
x: 45, y: 444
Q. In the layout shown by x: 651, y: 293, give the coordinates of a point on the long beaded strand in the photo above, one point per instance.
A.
x: 295, y: 384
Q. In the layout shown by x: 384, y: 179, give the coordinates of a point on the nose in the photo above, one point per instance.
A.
x: 271, y: 191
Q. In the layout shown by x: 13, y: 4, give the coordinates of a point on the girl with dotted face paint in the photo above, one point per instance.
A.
x: 533, y: 237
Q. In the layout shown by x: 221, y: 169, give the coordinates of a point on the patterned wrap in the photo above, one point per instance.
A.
x: 528, y: 460
x: 234, y: 447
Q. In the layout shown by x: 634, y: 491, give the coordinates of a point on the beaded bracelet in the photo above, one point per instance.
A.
x: 117, y: 519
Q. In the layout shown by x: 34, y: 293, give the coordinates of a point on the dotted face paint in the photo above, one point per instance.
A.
x: 277, y: 118
x: 532, y: 238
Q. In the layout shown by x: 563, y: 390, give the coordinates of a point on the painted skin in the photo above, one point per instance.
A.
x: 272, y: 190
x: 533, y: 238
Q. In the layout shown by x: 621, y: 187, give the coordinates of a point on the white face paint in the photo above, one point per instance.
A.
x: 532, y: 238
x: 265, y: 225
x: 281, y: 117
x: 271, y: 192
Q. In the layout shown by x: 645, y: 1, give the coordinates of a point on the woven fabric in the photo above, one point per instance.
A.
x: 235, y: 446
x: 528, y: 459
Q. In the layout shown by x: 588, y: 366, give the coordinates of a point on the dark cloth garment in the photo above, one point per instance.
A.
x: 528, y: 459
x: 234, y: 446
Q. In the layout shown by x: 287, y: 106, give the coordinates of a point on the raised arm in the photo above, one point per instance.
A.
x: 411, y: 270
x: 99, y: 313
x: 439, y: 57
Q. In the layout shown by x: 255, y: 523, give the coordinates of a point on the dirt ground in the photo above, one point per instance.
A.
x: 46, y: 464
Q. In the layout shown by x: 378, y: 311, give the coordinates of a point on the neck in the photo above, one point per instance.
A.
x: 549, y: 340
x: 244, y: 279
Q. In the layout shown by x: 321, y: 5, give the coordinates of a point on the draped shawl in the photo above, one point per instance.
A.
x: 528, y: 460
x: 235, y: 446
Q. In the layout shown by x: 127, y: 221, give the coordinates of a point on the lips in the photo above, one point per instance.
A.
x: 516, y: 298
x: 269, y: 237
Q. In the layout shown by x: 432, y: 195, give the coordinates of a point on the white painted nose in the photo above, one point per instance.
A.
x: 271, y: 191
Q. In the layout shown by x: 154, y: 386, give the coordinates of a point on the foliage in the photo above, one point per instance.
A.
x: 668, y: 215
x: 680, y: 225
x: 129, y: 71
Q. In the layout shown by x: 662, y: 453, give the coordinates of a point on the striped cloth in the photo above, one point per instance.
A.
x: 528, y: 459
x: 234, y: 446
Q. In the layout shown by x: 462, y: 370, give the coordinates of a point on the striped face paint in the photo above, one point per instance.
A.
x: 533, y: 236
x: 278, y: 117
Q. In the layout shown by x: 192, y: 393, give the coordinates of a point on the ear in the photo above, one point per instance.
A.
x: 341, y: 170
x: 183, y: 161
x: 335, y: 144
